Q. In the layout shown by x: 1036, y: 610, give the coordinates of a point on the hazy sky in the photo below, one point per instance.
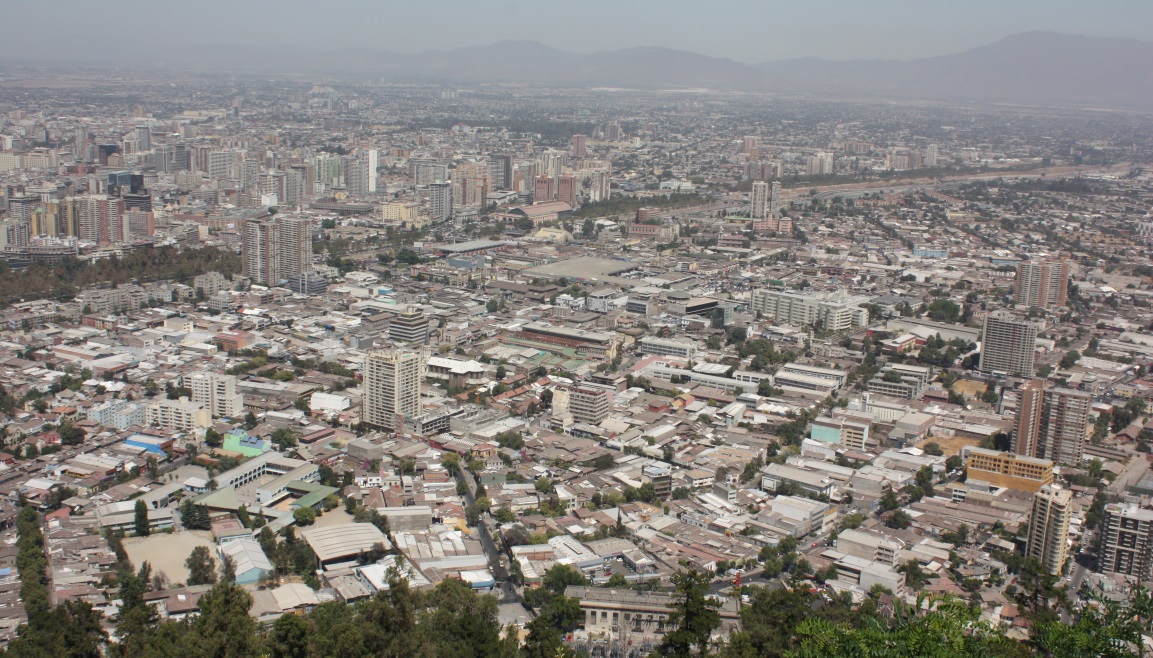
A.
x: 744, y: 30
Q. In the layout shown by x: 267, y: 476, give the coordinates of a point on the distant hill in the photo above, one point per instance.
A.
x: 1032, y: 68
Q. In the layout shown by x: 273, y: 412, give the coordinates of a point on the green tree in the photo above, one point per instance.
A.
x: 143, y: 528
x: 693, y: 617
x: 304, y: 516
x: 201, y: 567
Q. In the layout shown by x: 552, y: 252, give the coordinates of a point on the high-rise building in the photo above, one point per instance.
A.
x: 411, y: 326
x: 1127, y: 541
x: 1064, y: 422
x: 440, y: 201
x: 144, y: 138
x: 101, y: 219
x: 775, y: 198
x: 588, y: 403
x: 759, y: 200
x: 931, y: 155
x: 1042, y: 284
x: 1008, y: 345
x: 276, y: 247
x: 1030, y: 404
x: 259, y: 245
x: 579, y: 146
x: 1051, y: 422
x: 566, y: 189
x: 500, y: 171
x: 750, y: 145
x: 20, y: 207
x: 544, y: 189
x: 392, y: 381
x: 294, y: 240
x: 1048, y: 538
x: 217, y: 392
x: 373, y: 164
x: 819, y: 164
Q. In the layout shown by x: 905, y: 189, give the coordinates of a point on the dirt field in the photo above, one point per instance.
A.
x: 167, y: 553
x: 950, y: 445
x: 969, y: 388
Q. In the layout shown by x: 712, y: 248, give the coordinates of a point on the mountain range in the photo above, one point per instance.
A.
x: 1028, y: 68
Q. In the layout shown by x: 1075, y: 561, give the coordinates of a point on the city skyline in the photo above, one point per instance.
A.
x: 742, y: 31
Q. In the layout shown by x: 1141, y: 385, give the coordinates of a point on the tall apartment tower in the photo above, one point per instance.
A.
x: 101, y: 219
x: 217, y: 392
x: 259, y: 246
x: 1064, y: 422
x: 1127, y: 544
x: 775, y: 198
x: 750, y: 145
x: 276, y: 247
x: 1048, y: 538
x: 294, y: 242
x: 579, y: 145
x: 1051, y: 423
x: 440, y: 201
x: 392, y: 380
x: 1042, y: 284
x: 759, y: 200
x: 1030, y: 404
x: 931, y: 155
x: 1008, y: 345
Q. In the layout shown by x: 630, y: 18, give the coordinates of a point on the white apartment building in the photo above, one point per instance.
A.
x: 217, y: 392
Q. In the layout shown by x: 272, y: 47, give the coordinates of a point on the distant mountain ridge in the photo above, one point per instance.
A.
x: 1030, y: 68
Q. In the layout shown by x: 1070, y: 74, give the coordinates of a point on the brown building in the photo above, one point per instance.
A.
x: 1005, y: 469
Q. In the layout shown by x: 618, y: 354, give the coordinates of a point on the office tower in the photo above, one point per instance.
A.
x: 144, y: 138
x: 139, y: 224
x: 1048, y: 538
x: 411, y: 326
x: 373, y: 165
x: 440, y: 201
x: 759, y: 200
x: 259, y: 247
x: 579, y: 145
x: 181, y: 158
x: 750, y: 145
x: 1008, y: 345
x: 1064, y: 421
x: 217, y: 392
x: 588, y: 403
x: 566, y: 189
x: 931, y: 155
x: 775, y: 199
x: 220, y: 164
x: 544, y: 189
x: 500, y: 171
x: 1127, y: 541
x: 392, y: 381
x: 1030, y: 404
x: 1042, y: 284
